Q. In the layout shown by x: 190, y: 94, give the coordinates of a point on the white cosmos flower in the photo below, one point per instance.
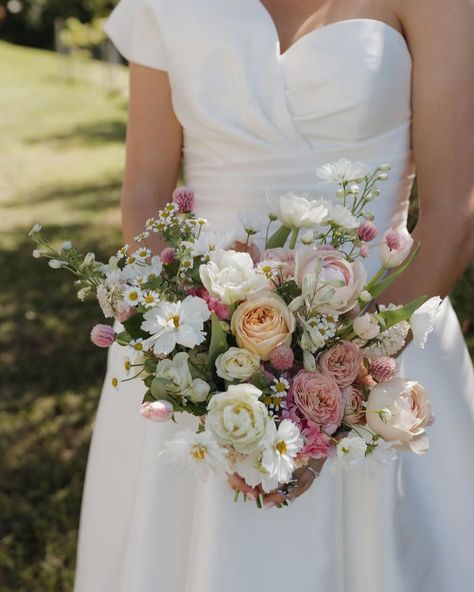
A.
x: 341, y: 216
x: 208, y: 242
x: 343, y: 171
x: 280, y: 448
x: 230, y: 276
x: 423, y: 319
x: 383, y: 454
x: 252, y: 224
x: 297, y: 211
x: 350, y: 451
x: 172, y: 323
x: 252, y: 470
x: 198, y: 452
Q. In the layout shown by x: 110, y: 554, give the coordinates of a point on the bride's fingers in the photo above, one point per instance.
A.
x: 237, y: 483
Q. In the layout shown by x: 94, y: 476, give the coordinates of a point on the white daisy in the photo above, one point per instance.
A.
x: 172, y: 323
x: 132, y: 295
x: 198, y: 452
x: 280, y: 386
x: 342, y: 171
x: 280, y: 448
x: 142, y: 253
x: 150, y: 299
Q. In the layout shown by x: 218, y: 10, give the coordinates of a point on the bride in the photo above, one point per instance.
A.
x: 252, y: 96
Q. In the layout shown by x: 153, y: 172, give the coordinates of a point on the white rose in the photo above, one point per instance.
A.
x: 237, y: 364
x: 181, y: 382
x: 230, y: 276
x: 410, y: 413
x: 296, y: 211
x: 366, y: 327
x: 237, y: 418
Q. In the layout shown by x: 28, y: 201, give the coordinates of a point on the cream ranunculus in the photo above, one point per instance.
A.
x: 230, y: 276
x: 262, y: 323
x: 366, y: 327
x: 399, y: 410
x: 237, y: 364
x: 237, y: 418
x: 181, y: 382
x: 296, y: 211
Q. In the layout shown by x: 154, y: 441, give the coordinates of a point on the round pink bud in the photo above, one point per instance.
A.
x: 102, y: 335
x: 367, y: 231
x: 393, y: 240
x: 183, y: 197
x: 167, y: 255
x: 282, y: 357
x: 383, y: 369
x: 158, y: 411
x: 364, y: 251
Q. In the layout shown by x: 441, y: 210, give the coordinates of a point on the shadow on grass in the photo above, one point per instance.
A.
x: 50, y: 381
x: 88, y: 134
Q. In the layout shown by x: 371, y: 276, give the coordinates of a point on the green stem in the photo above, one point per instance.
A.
x: 294, y: 237
x: 376, y: 278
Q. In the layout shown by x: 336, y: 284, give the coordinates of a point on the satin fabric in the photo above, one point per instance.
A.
x: 255, y: 123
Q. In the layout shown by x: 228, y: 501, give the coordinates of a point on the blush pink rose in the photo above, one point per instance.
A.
x: 317, y: 444
x: 352, y: 403
x: 318, y: 397
x: 344, y: 279
x: 342, y: 362
x: 285, y: 256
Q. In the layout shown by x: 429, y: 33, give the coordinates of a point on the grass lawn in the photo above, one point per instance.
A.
x: 61, y: 146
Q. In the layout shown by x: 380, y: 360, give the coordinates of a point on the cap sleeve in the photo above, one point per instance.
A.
x: 135, y: 31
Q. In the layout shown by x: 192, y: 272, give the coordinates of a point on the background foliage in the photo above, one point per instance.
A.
x: 62, y: 159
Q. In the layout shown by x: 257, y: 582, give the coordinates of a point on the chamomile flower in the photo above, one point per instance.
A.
x: 142, y: 236
x: 280, y: 386
x: 132, y: 295
x: 142, y: 253
x: 198, y: 452
x: 150, y: 299
x: 115, y: 383
x: 127, y: 365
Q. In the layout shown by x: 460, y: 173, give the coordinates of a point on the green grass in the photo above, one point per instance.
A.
x: 62, y: 153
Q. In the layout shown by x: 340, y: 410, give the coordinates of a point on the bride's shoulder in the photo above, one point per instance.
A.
x: 430, y: 18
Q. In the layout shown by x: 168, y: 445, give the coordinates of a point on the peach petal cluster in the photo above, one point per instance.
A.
x: 353, y: 400
x: 342, y: 362
x: 319, y: 399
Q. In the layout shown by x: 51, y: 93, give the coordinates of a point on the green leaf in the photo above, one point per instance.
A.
x: 218, y: 343
x: 381, y: 286
x: 158, y: 389
x: 148, y: 398
x: 123, y: 338
x: 259, y: 380
x: 289, y: 291
x: 134, y: 327
x: 150, y: 365
x: 278, y: 238
x: 393, y: 317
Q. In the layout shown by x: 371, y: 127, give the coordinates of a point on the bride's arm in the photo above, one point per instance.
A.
x: 441, y: 40
x: 153, y: 156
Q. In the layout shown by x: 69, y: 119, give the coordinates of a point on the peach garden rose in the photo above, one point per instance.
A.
x: 341, y: 361
x: 318, y: 397
x: 262, y: 323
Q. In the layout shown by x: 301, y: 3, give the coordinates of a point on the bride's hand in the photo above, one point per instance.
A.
x: 305, y: 477
x: 238, y: 484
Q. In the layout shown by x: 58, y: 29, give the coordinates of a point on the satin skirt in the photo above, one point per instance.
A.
x: 147, y: 528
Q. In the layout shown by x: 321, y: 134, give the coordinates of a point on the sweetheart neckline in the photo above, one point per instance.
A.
x: 319, y: 30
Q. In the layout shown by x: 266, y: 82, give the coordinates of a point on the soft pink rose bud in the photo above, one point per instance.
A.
x: 250, y: 248
x: 102, y: 335
x: 167, y: 255
x: 367, y: 231
x: 183, y: 197
x: 282, y: 357
x: 364, y: 251
x: 158, y: 411
x: 393, y: 240
x: 383, y: 369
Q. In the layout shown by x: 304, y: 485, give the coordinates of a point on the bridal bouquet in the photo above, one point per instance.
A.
x: 282, y: 351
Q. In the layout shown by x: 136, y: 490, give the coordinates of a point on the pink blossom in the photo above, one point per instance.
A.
x: 183, y: 197
x: 342, y: 362
x: 383, y: 368
x: 285, y: 256
x: 282, y: 357
x: 250, y: 248
x: 223, y: 311
x: 364, y: 251
x: 367, y: 231
x: 158, y: 411
x: 353, y: 400
x: 393, y: 240
x: 102, y: 335
x: 167, y: 255
x: 318, y: 397
x: 317, y: 443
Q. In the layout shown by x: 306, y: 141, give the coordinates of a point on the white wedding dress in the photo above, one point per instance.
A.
x: 256, y: 121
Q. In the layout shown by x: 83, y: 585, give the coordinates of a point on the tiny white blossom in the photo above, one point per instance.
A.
x: 343, y: 171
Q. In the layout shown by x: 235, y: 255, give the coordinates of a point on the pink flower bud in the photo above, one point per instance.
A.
x: 367, y: 231
x: 393, y: 240
x: 102, y: 335
x: 383, y: 369
x: 167, y: 255
x: 183, y: 197
x: 364, y: 251
x: 282, y: 357
x: 159, y: 411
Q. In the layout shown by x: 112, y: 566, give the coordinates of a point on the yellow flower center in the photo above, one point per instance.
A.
x: 176, y: 320
x: 115, y: 382
x: 149, y: 298
x: 281, y: 447
x: 198, y: 452
x: 133, y: 296
x: 138, y: 346
x: 127, y: 365
x: 280, y: 387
